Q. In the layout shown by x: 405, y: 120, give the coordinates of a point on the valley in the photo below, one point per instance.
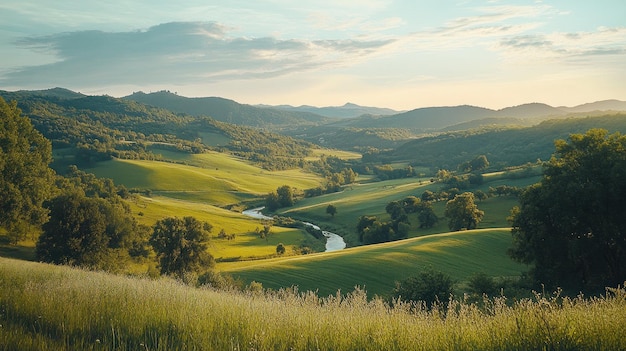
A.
x: 312, y: 175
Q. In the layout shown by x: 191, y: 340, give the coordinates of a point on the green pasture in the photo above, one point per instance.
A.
x: 213, y: 178
x: 246, y: 243
x: 377, y: 267
x: 342, y: 154
x: 214, y: 139
x: 354, y: 201
x: 372, y: 198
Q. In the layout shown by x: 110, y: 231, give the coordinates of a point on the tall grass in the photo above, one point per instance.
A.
x: 58, y: 308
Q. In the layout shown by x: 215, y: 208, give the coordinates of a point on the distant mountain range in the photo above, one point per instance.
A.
x: 349, y: 110
x: 438, y: 118
x: 352, y: 116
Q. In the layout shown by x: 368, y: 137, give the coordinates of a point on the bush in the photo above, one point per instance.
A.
x: 481, y: 283
x: 428, y: 287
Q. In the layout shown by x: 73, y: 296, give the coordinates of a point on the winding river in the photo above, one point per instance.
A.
x: 334, y: 242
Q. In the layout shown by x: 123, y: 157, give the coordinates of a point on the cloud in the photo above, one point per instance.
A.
x: 179, y: 52
x: 568, y: 46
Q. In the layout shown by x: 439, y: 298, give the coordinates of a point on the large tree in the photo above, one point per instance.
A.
x: 571, y: 225
x: 181, y: 245
x: 75, y: 233
x: 89, y: 231
x: 25, y: 178
x: 462, y: 212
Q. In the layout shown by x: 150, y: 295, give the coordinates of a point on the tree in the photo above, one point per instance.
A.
x: 285, y: 196
x: 26, y: 181
x: 426, y: 215
x: 349, y: 175
x: 181, y: 245
x: 396, y: 210
x: 428, y: 196
x: 75, y: 233
x: 331, y: 210
x: 570, y: 225
x: 280, y: 249
x: 411, y: 204
x: 481, y: 283
x: 428, y: 286
x: 480, y: 195
x: 462, y: 212
x: 479, y: 163
x: 271, y: 201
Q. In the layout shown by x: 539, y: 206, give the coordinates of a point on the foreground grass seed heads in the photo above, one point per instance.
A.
x: 45, y: 307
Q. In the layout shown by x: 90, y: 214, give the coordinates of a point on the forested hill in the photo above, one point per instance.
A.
x: 430, y: 119
x: 507, y: 147
x: 96, y: 128
x: 229, y: 111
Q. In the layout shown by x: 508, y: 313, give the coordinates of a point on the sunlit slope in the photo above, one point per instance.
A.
x: 245, y: 244
x: 377, y: 267
x: 212, y: 177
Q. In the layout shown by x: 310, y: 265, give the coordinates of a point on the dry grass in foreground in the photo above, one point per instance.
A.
x: 44, y: 307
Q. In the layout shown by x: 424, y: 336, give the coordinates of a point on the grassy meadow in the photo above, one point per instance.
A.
x: 45, y: 307
x: 215, y: 178
x: 377, y: 267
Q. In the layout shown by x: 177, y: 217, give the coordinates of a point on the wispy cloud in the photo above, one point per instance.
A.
x: 519, y: 33
x: 571, y: 47
x: 180, y: 51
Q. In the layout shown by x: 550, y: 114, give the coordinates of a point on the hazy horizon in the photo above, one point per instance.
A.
x: 392, y: 54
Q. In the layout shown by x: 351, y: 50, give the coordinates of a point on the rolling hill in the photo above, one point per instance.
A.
x: 376, y: 268
x: 229, y: 111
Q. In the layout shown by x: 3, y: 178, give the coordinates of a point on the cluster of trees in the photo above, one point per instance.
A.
x: 272, y: 151
x: 371, y: 230
x: 570, y: 226
x: 477, y: 164
x: 334, y: 181
x: 283, y: 197
x: 386, y: 172
x: 83, y: 220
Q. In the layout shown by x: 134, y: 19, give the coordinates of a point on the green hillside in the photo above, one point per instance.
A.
x: 89, y: 129
x: 377, y: 267
x: 214, y: 178
x: 229, y: 111
x: 508, y: 147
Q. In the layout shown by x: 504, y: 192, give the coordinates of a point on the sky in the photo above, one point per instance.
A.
x: 386, y: 53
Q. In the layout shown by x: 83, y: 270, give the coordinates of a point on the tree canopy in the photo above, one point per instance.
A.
x: 462, y: 212
x: 25, y: 178
x: 571, y: 225
x: 181, y: 245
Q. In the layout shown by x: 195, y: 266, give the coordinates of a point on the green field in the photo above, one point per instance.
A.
x: 372, y: 198
x: 377, y: 267
x: 246, y: 243
x: 213, y: 178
